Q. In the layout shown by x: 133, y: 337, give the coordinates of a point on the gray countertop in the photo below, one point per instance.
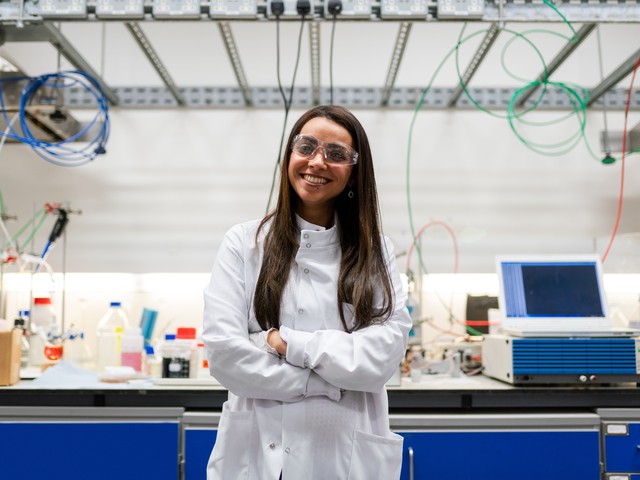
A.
x: 432, y: 393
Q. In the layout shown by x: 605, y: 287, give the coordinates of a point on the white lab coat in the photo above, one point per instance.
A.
x: 321, y: 413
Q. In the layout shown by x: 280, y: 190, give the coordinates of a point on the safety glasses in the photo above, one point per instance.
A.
x: 336, y: 153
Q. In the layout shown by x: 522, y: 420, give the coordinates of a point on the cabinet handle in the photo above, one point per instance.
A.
x: 410, y: 463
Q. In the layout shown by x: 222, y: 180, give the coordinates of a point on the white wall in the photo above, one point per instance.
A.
x: 173, y: 181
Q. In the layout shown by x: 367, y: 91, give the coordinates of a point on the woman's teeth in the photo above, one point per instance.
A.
x: 317, y: 180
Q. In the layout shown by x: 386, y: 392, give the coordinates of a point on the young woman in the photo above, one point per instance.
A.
x: 305, y: 320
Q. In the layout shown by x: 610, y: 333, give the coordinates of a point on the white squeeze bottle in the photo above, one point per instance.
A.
x: 132, y: 346
x: 110, y: 329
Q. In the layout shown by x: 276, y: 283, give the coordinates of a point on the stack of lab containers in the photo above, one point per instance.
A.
x: 179, y: 355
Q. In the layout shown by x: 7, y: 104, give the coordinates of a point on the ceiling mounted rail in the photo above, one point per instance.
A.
x: 402, y: 98
x: 614, y: 77
x: 150, y: 53
x: 236, y: 64
x: 47, y: 32
x: 488, y: 40
x: 396, y: 60
x: 559, y: 59
x: 68, y: 51
x: 501, y: 11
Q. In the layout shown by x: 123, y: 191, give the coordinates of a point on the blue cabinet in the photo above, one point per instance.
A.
x: 95, y: 443
x: 500, y: 447
x: 198, y: 436
x: 621, y: 441
x: 460, y: 447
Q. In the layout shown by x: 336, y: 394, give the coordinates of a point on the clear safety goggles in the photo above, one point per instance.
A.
x: 335, y: 153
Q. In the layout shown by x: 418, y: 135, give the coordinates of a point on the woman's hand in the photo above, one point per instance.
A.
x: 275, y: 341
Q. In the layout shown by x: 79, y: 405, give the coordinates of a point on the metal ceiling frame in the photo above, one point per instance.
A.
x: 559, y: 59
x: 148, y: 50
x: 396, y: 59
x: 486, y: 44
x: 236, y: 64
x: 47, y: 32
x: 613, y: 78
x: 26, y: 27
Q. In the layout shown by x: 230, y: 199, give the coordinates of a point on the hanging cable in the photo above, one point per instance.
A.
x: 335, y: 7
x: 577, y: 98
x: 622, y: 162
x: 7, y: 130
x: 287, y: 102
x: 61, y: 153
x: 607, y: 146
x: 449, y: 230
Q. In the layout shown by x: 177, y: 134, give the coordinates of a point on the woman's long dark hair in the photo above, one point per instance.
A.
x: 362, y: 269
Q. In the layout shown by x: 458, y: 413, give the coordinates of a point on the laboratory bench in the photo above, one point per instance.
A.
x: 441, y: 393
x: 453, y: 428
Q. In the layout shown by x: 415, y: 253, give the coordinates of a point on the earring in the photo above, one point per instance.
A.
x: 350, y: 194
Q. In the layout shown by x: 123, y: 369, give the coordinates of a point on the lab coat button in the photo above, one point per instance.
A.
x: 306, y: 235
x: 272, y: 445
x: 306, y: 270
x: 287, y: 450
x: 308, y: 245
x: 300, y: 311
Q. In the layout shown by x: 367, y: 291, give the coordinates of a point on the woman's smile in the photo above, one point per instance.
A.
x: 315, y: 179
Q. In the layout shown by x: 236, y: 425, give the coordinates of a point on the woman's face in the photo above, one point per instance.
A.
x: 316, y: 182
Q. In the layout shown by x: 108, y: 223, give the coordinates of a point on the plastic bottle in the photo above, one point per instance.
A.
x: 186, y: 339
x: 415, y: 337
x: 38, y: 334
x: 109, y: 331
x: 153, y: 365
x: 203, y: 363
x: 132, y: 345
x: 43, y: 315
x: 21, y: 323
x: 167, y: 350
x: 177, y: 355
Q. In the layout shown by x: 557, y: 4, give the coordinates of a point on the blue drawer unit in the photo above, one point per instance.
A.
x: 95, y: 443
x: 199, y: 435
x: 460, y: 447
x: 621, y: 440
x: 622, y: 451
x: 500, y: 447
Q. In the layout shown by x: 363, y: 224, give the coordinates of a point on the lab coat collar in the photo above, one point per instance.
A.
x: 316, y: 235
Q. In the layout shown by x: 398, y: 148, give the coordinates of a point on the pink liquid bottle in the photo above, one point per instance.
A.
x: 131, y: 348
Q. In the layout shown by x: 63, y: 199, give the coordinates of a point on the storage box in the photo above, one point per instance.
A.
x: 10, y: 351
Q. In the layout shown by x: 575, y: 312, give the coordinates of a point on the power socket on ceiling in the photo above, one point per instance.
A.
x: 350, y: 9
